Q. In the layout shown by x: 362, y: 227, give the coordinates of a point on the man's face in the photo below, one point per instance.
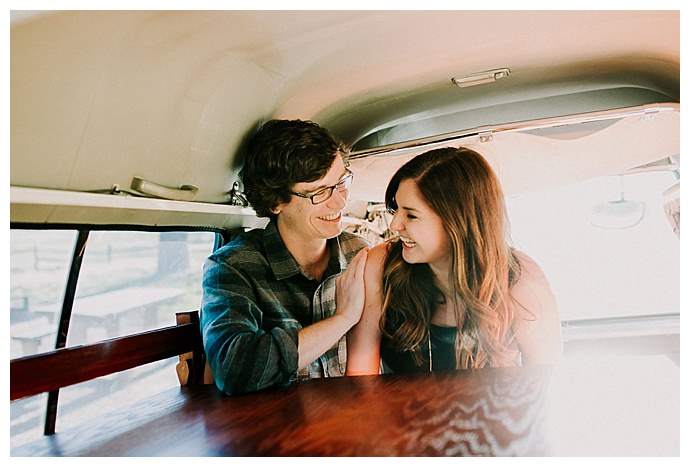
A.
x: 315, y: 221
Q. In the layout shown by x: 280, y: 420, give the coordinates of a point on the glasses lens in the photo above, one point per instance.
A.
x: 321, y: 196
x: 345, y: 183
x: 326, y: 193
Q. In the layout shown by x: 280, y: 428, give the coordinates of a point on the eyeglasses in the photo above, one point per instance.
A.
x: 325, y: 193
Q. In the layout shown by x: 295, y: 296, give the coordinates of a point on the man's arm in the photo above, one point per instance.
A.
x: 243, y: 356
x: 246, y: 356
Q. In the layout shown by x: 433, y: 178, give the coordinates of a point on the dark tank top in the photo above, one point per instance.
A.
x: 442, y: 353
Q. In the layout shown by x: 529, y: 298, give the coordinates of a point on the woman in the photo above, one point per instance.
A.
x: 450, y: 292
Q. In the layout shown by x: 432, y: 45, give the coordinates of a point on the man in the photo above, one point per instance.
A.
x: 278, y: 301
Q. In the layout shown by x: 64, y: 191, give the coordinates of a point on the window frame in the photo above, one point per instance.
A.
x: 221, y: 236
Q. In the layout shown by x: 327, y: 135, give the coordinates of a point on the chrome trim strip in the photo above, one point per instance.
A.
x: 644, y: 325
x: 405, y: 146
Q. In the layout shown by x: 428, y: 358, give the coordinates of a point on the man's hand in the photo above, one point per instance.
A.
x: 349, y: 289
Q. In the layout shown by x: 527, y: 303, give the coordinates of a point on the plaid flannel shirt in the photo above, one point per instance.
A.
x: 255, y: 299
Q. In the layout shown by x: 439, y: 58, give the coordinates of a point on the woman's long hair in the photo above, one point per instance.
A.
x: 461, y: 187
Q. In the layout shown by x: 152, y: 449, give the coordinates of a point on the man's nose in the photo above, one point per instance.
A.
x: 338, y: 198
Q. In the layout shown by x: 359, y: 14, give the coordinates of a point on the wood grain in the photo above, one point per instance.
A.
x: 488, y: 412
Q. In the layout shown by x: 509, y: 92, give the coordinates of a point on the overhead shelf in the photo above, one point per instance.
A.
x: 45, y: 206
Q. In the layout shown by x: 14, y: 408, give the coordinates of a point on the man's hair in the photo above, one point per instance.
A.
x: 283, y: 153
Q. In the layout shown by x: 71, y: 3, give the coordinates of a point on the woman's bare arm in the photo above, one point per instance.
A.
x: 364, y: 339
x: 539, y: 338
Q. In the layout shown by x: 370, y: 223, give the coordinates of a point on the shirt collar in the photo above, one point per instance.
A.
x: 282, y: 262
x: 338, y: 258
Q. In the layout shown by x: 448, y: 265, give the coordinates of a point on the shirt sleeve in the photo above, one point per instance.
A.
x: 243, y: 356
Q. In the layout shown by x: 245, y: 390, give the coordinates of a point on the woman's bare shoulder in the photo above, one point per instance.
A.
x: 532, y: 289
x: 375, y: 259
x: 378, y: 252
x: 529, y: 269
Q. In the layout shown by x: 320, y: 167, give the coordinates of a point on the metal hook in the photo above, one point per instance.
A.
x: 237, y: 198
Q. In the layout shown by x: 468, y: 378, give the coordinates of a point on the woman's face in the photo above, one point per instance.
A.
x: 423, y: 237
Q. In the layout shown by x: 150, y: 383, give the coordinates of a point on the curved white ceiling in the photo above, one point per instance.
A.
x: 99, y: 97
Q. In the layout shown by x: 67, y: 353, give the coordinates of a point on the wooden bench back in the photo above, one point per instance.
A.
x: 56, y: 369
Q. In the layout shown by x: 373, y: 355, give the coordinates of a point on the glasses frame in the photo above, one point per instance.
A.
x: 340, y: 186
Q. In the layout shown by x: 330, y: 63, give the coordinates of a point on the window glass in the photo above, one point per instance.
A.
x: 39, y: 265
x: 603, y: 257
x: 129, y: 282
x: 135, y: 281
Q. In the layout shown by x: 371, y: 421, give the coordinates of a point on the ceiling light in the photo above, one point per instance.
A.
x: 481, y: 78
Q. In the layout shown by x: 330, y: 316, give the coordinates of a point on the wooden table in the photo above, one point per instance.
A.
x: 498, y: 412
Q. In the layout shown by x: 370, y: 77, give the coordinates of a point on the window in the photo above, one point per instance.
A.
x: 129, y: 282
x: 599, y: 262
x: 39, y: 266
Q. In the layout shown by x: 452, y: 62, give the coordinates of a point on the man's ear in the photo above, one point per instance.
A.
x: 276, y: 210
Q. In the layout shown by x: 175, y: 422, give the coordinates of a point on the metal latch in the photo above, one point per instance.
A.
x: 486, y: 136
x: 145, y: 187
